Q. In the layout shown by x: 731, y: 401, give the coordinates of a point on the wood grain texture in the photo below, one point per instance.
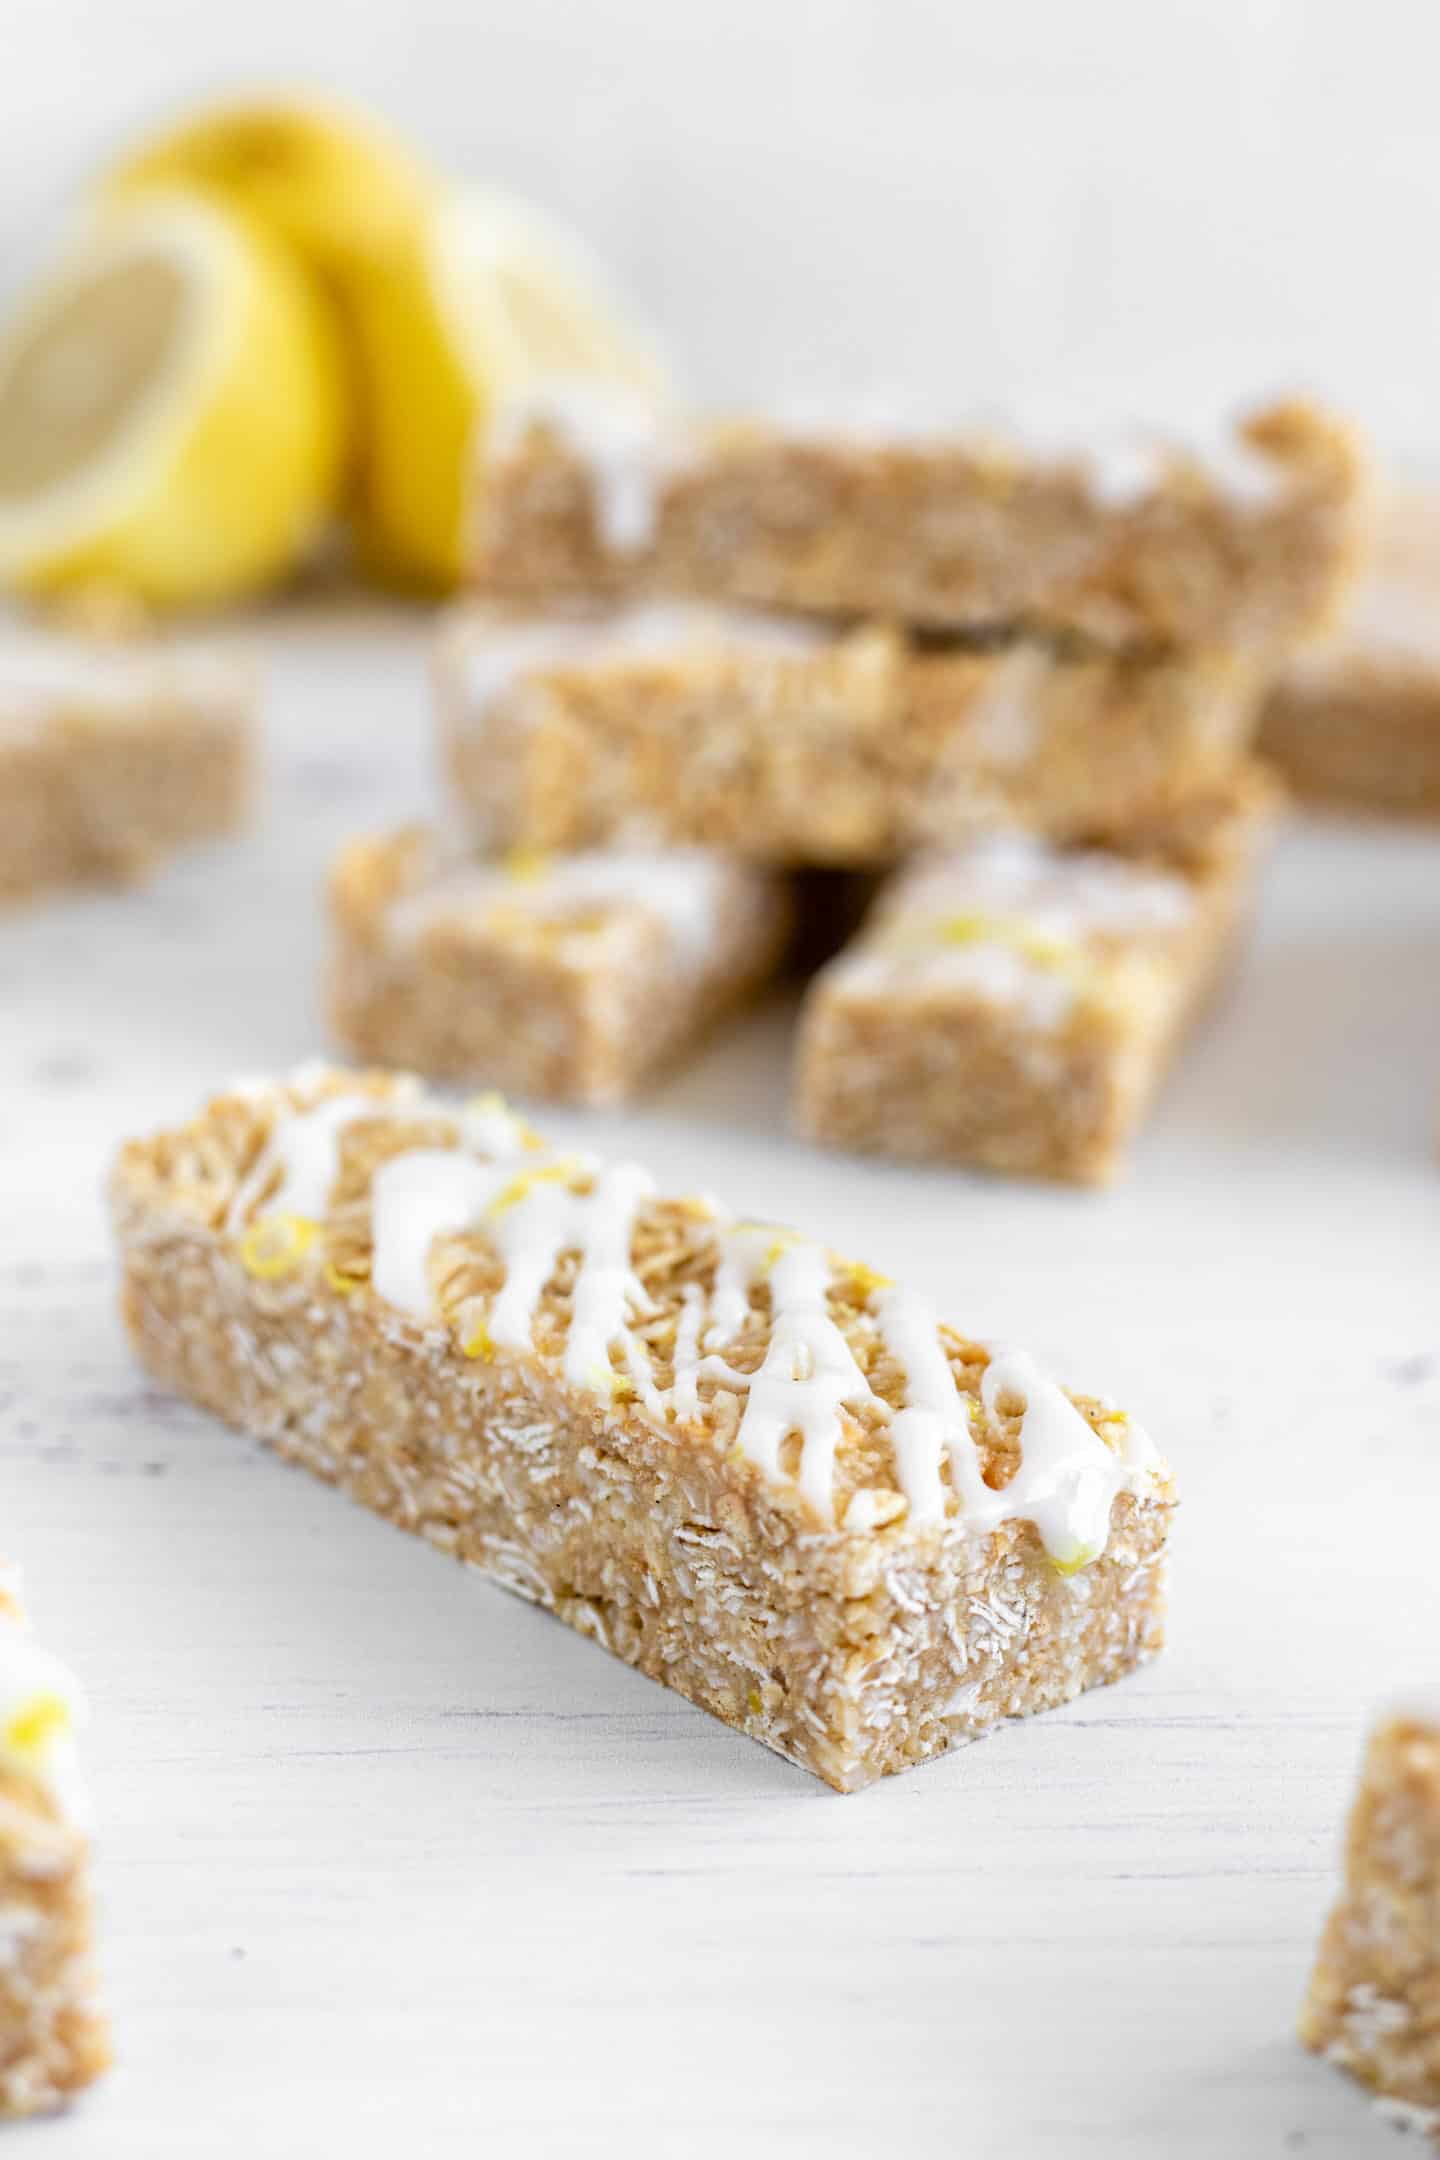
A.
x: 390, y: 1860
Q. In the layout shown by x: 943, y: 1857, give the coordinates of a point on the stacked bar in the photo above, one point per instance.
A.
x: 113, y: 757
x: 849, y: 652
x: 576, y: 975
x: 758, y: 1472
x: 1246, y: 542
x: 1014, y: 1005
x: 53, y: 2038
x: 799, y: 743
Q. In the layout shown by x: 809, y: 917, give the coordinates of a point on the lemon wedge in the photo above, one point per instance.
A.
x: 327, y: 183
x: 171, y: 412
x: 486, y: 298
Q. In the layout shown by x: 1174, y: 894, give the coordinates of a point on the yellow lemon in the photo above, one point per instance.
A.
x: 171, y: 412
x: 486, y: 298
x: 329, y: 184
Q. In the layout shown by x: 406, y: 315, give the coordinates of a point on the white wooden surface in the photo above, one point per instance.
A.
x: 389, y: 1860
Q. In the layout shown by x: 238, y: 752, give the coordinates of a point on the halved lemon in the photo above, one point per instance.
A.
x: 329, y: 183
x: 486, y: 297
x: 172, y: 412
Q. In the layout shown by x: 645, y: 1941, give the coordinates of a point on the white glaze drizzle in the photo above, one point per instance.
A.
x: 683, y: 889
x: 1123, y: 462
x: 598, y: 1225
x: 808, y: 1373
x: 1062, y: 893
x: 305, y: 1148
x: 619, y: 435
x: 415, y: 1198
x: 1009, y: 919
x: 1067, y: 1479
x: 532, y: 1218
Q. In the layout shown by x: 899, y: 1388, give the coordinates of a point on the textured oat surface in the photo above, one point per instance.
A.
x: 53, y: 2039
x: 1015, y: 1007
x: 102, y: 778
x: 958, y: 534
x: 576, y: 980
x: 631, y: 1509
x: 852, y: 751
x: 1374, y: 2000
x: 1355, y: 723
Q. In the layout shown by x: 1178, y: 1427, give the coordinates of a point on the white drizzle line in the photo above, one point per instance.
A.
x: 490, y: 1126
x: 685, y: 1381
x: 616, y: 433
x: 599, y: 1225
x: 304, y: 1145
x: 415, y: 1198
x: 808, y: 1373
x: 428, y: 1193
x: 683, y: 889
x: 1067, y: 1479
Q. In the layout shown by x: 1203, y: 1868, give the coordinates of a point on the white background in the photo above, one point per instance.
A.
x: 1154, y: 205
x: 391, y: 1863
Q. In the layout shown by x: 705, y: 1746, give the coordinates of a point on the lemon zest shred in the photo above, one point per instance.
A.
x: 479, y: 1343
x: 275, y: 1245
x: 520, y: 1188
x: 35, y: 1723
x: 527, y: 865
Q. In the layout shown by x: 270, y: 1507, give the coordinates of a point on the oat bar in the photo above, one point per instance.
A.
x: 53, y: 2038
x: 797, y: 744
x: 1014, y: 1006
x: 112, y: 758
x: 754, y: 1470
x: 1354, y: 723
x: 1247, y: 542
x: 1374, y: 2001
x: 577, y: 977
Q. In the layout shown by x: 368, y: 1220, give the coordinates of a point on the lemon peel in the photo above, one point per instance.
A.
x: 172, y: 413
x: 483, y: 298
x: 329, y: 183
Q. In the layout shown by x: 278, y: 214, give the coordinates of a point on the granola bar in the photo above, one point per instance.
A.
x: 1354, y: 723
x: 111, y: 758
x: 1373, y: 2005
x: 53, y: 2038
x: 800, y: 744
x: 1014, y: 1005
x: 574, y: 976
x: 754, y: 1470
x: 1248, y: 542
